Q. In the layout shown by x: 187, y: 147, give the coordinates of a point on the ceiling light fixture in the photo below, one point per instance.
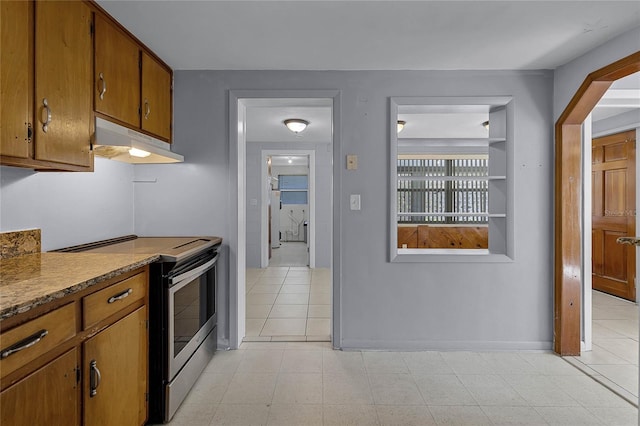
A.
x: 401, y: 124
x: 296, y: 125
x: 486, y: 124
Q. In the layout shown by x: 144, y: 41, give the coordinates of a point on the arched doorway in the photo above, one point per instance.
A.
x: 568, y: 186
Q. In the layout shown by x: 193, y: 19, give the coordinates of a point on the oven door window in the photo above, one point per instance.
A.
x: 193, y: 305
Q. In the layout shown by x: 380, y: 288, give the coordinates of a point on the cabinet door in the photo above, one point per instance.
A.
x: 49, y: 396
x: 115, y: 363
x: 63, y: 52
x: 156, y: 98
x: 117, y: 73
x: 16, y: 57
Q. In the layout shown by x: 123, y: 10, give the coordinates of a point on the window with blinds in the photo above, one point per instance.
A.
x: 293, y: 189
x: 442, y: 190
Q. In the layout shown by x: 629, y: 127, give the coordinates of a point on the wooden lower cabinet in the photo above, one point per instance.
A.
x: 115, y: 373
x: 48, y: 396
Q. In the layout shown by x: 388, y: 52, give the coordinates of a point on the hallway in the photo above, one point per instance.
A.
x: 288, y: 303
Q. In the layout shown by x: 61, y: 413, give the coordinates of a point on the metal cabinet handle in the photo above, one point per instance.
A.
x: 632, y: 241
x: 147, y: 109
x: 94, y: 378
x: 47, y: 117
x: 103, y: 86
x: 120, y: 296
x: 24, y: 344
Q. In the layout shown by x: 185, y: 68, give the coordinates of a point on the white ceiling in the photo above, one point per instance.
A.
x: 265, y: 120
x: 372, y: 35
x: 289, y: 160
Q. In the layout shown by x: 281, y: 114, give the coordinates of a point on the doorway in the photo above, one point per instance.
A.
x: 289, y: 298
x: 568, y: 280
x: 241, y: 103
x: 289, y: 208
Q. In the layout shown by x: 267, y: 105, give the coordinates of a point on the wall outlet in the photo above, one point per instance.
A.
x: 352, y: 162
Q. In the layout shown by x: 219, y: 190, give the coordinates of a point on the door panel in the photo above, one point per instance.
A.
x: 616, y: 151
x: 63, y: 36
x: 613, y: 214
x: 120, y: 355
x: 49, y: 396
x: 16, y: 57
x: 156, y: 98
x: 615, y: 257
x: 117, y: 73
x: 615, y: 188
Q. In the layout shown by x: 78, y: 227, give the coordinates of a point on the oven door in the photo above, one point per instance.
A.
x: 191, y: 298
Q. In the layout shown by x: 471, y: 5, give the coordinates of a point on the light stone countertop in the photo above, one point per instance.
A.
x: 32, y: 280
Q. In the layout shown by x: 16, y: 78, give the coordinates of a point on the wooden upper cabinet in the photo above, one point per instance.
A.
x: 63, y: 52
x: 16, y: 57
x: 156, y: 98
x: 116, y: 88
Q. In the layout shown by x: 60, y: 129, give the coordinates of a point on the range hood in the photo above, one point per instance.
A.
x: 121, y: 144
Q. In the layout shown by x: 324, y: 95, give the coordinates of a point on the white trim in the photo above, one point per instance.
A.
x: 264, y: 231
x: 445, y: 345
x: 237, y: 174
x: 500, y: 218
x: 587, y: 303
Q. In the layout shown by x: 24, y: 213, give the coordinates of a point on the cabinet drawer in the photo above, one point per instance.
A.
x: 106, y: 302
x: 28, y: 341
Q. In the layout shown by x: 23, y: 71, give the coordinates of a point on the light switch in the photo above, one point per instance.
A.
x: 355, y: 202
x: 352, y: 162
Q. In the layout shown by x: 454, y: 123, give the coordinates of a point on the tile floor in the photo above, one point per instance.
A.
x: 308, y: 383
x: 288, y: 303
x: 614, y: 358
x: 289, y: 254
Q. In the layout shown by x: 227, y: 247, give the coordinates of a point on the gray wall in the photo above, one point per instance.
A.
x: 569, y: 77
x: 323, y: 199
x: 384, y: 305
x: 70, y: 208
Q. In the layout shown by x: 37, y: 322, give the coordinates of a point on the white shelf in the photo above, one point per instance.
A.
x: 451, y: 141
x: 450, y: 178
x: 452, y: 214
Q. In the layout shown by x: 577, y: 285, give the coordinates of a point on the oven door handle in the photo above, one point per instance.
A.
x: 194, y: 272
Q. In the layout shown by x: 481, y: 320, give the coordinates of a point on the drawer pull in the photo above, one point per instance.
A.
x: 24, y: 343
x: 120, y: 296
x: 94, y: 378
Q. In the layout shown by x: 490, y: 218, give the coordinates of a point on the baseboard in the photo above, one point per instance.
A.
x: 444, y: 345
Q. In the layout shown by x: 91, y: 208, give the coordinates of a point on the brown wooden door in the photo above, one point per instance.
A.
x: 613, y: 214
x: 117, y: 74
x: 63, y: 76
x: 49, y: 396
x: 16, y: 57
x: 120, y: 355
x: 156, y: 98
